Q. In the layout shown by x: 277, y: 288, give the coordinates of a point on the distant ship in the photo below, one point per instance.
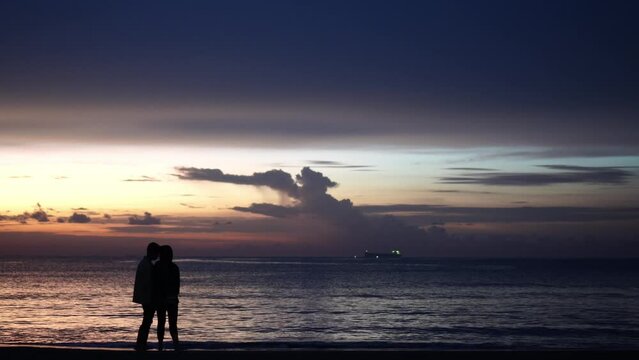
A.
x: 392, y: 254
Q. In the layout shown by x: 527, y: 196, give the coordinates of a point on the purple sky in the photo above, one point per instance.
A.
x: 444, y: 128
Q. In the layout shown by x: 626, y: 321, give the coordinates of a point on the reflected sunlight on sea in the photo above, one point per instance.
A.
x: 431, y: 302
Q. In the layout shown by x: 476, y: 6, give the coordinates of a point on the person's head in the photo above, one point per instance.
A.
x: 152, y: 251
x: 166, y: 253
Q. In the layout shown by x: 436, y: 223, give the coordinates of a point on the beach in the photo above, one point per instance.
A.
x: 72, y: 353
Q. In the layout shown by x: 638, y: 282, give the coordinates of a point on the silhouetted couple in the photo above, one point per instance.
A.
x: 157, y: 287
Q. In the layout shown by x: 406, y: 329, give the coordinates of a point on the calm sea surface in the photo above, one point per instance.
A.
x: 432, y: 303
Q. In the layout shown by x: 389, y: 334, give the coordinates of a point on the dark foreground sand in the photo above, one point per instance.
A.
x: 66, y: 353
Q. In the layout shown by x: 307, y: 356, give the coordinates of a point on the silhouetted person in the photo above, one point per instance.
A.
x: 166, y: 291
x: 143, y: 293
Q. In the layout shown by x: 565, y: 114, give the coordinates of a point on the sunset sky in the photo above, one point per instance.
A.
x: 294, y: 128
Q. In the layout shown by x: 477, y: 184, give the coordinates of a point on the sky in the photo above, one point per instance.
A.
x: 320, y: 128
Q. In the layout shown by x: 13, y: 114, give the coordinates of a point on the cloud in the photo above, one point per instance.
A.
x: 457, y: 214
x: 336, y: 164
x: 471, y: 169
x: 566, y: 174
x: 399, y: 207
x: 269, y: 210
x: 79, y: 218
x: 324, y: 162
x: 583, y: 168
x: 191, y: 206
x: 20, y: 177
x: 39, y: 214
x: 142, y: 179
x: 21, y: 218
x: 85, y: 211
x: 147, y: 219
x: 289, y: 128
x: 328, y: 164
x: 557, y: 153
x: 475, y: 93
x: 447, y: 191
x: 275, y: 179
x: 309, y: 191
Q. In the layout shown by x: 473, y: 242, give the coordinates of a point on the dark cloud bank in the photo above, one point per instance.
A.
x: 79, y: 218
x: 560, y: 174
x: 419, y: 230
x: 425, y: 73
x: 276, y: 179
x: 40, y: 215
x: 309, y: 192
x: 147, y: 219
x: 459, y: 214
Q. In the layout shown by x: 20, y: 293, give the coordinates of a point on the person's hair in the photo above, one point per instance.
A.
x: 152, y: 249
x: 166, y: 253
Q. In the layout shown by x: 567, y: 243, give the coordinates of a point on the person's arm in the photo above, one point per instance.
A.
x: 142, y: 286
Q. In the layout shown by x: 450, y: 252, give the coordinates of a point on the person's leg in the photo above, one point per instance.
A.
x: 173, y: 315
x: 161, y: 323
x: 143, y: 331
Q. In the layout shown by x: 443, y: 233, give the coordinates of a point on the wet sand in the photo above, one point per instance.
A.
x: 73, y: 353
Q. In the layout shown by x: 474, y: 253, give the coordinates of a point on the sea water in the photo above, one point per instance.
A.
x: 333, y: 302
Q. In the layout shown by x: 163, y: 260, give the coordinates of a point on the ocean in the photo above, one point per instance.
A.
x: 333, y: 302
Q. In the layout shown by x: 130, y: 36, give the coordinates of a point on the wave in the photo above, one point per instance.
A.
x: 320, y: 345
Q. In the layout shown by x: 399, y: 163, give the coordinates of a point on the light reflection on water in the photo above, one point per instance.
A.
x: 548, y: 303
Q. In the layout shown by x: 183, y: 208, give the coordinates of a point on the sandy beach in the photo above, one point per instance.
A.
x: 72, y: 353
